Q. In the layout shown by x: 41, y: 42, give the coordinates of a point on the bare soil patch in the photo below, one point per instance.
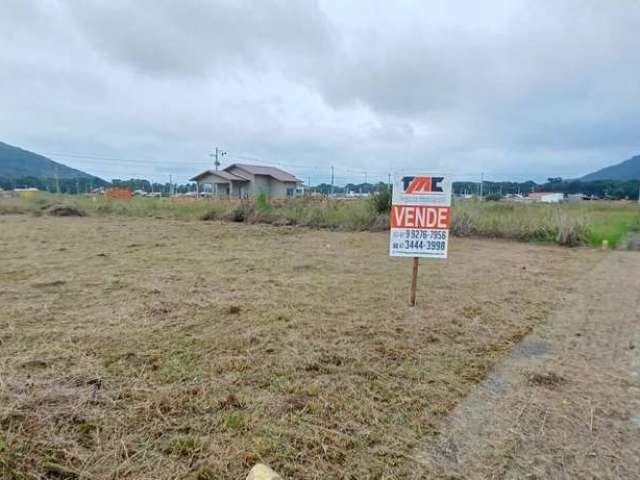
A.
x: 209, y: 346
x: 565, y: 403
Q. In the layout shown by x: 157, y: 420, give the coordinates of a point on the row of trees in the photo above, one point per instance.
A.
x: 134, y: 184
x: 495, y: 188
x: 62, y: 185
x: 614, y: 189
x: 86, y: 185
x: 327, y: 189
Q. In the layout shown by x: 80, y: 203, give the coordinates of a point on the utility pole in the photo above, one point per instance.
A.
x: 57, y: 181
x: 170, y: 186
x: 218, y: 155
x: 389, y: 179
x: 482, y: 185
x: 77, y: 186
x: 332, y: 177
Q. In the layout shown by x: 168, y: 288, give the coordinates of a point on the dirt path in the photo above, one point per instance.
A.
x: 566, y: 403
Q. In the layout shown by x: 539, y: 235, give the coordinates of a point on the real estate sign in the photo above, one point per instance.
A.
x: 420, y: 215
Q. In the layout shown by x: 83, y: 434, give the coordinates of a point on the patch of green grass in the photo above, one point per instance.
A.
x: 587, y: 223
x: 613, y: 226
x: 236, y: 421
x: 183, y: 446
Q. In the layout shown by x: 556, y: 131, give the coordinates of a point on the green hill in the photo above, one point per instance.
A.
x: 627, y: 170
x: 16, y: 163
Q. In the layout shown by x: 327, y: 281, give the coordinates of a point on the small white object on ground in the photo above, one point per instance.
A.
x: 262, y: 472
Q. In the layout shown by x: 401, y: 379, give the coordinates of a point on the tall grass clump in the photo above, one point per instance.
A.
x: 13, y: 206
x: 142, y: 207
x: 34, y: 205
x: 570, y: 230
x: 524, y: 222
x: 328, y: 213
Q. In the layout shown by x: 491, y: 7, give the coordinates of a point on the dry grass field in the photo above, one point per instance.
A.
x: 154, y: 349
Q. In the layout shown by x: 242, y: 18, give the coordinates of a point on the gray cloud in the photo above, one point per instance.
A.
x: 511, y: 88
x: 203, y: 38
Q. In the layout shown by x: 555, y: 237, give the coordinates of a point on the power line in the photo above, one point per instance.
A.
x: 348, y: 172
x: 112, y: 160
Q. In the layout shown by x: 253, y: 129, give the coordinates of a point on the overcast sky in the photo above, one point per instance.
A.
x: 516, y: 89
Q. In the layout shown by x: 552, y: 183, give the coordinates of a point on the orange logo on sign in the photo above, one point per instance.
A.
x: 422, y: 185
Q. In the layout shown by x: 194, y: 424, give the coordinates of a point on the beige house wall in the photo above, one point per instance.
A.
x: 256, y: 185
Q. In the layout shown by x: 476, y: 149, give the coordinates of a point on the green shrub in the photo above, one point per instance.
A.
x: 381, y: 201
x: 262, y: 202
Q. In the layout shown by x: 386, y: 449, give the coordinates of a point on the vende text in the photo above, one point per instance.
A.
x: 416, y: 216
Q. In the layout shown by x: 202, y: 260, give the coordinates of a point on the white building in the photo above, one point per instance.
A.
x: 546, y: 197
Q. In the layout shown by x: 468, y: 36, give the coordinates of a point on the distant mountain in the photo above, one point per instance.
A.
x: 627, y: 170
x: 16, y: 163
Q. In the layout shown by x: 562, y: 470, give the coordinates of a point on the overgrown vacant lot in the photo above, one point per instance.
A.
x: 569, y: 224
x: 141, y: 348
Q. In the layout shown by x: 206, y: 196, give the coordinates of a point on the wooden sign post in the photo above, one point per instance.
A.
x: 414, y: 281
x: 420, y: 219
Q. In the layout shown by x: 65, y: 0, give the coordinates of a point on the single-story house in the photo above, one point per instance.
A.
x: 243, y: 180
x: 546, y: 197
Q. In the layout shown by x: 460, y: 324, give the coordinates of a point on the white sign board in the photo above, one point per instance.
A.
x: 420, y: 215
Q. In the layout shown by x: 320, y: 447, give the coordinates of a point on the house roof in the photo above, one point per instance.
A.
x: 274, y: 172
x: 219, y: 173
